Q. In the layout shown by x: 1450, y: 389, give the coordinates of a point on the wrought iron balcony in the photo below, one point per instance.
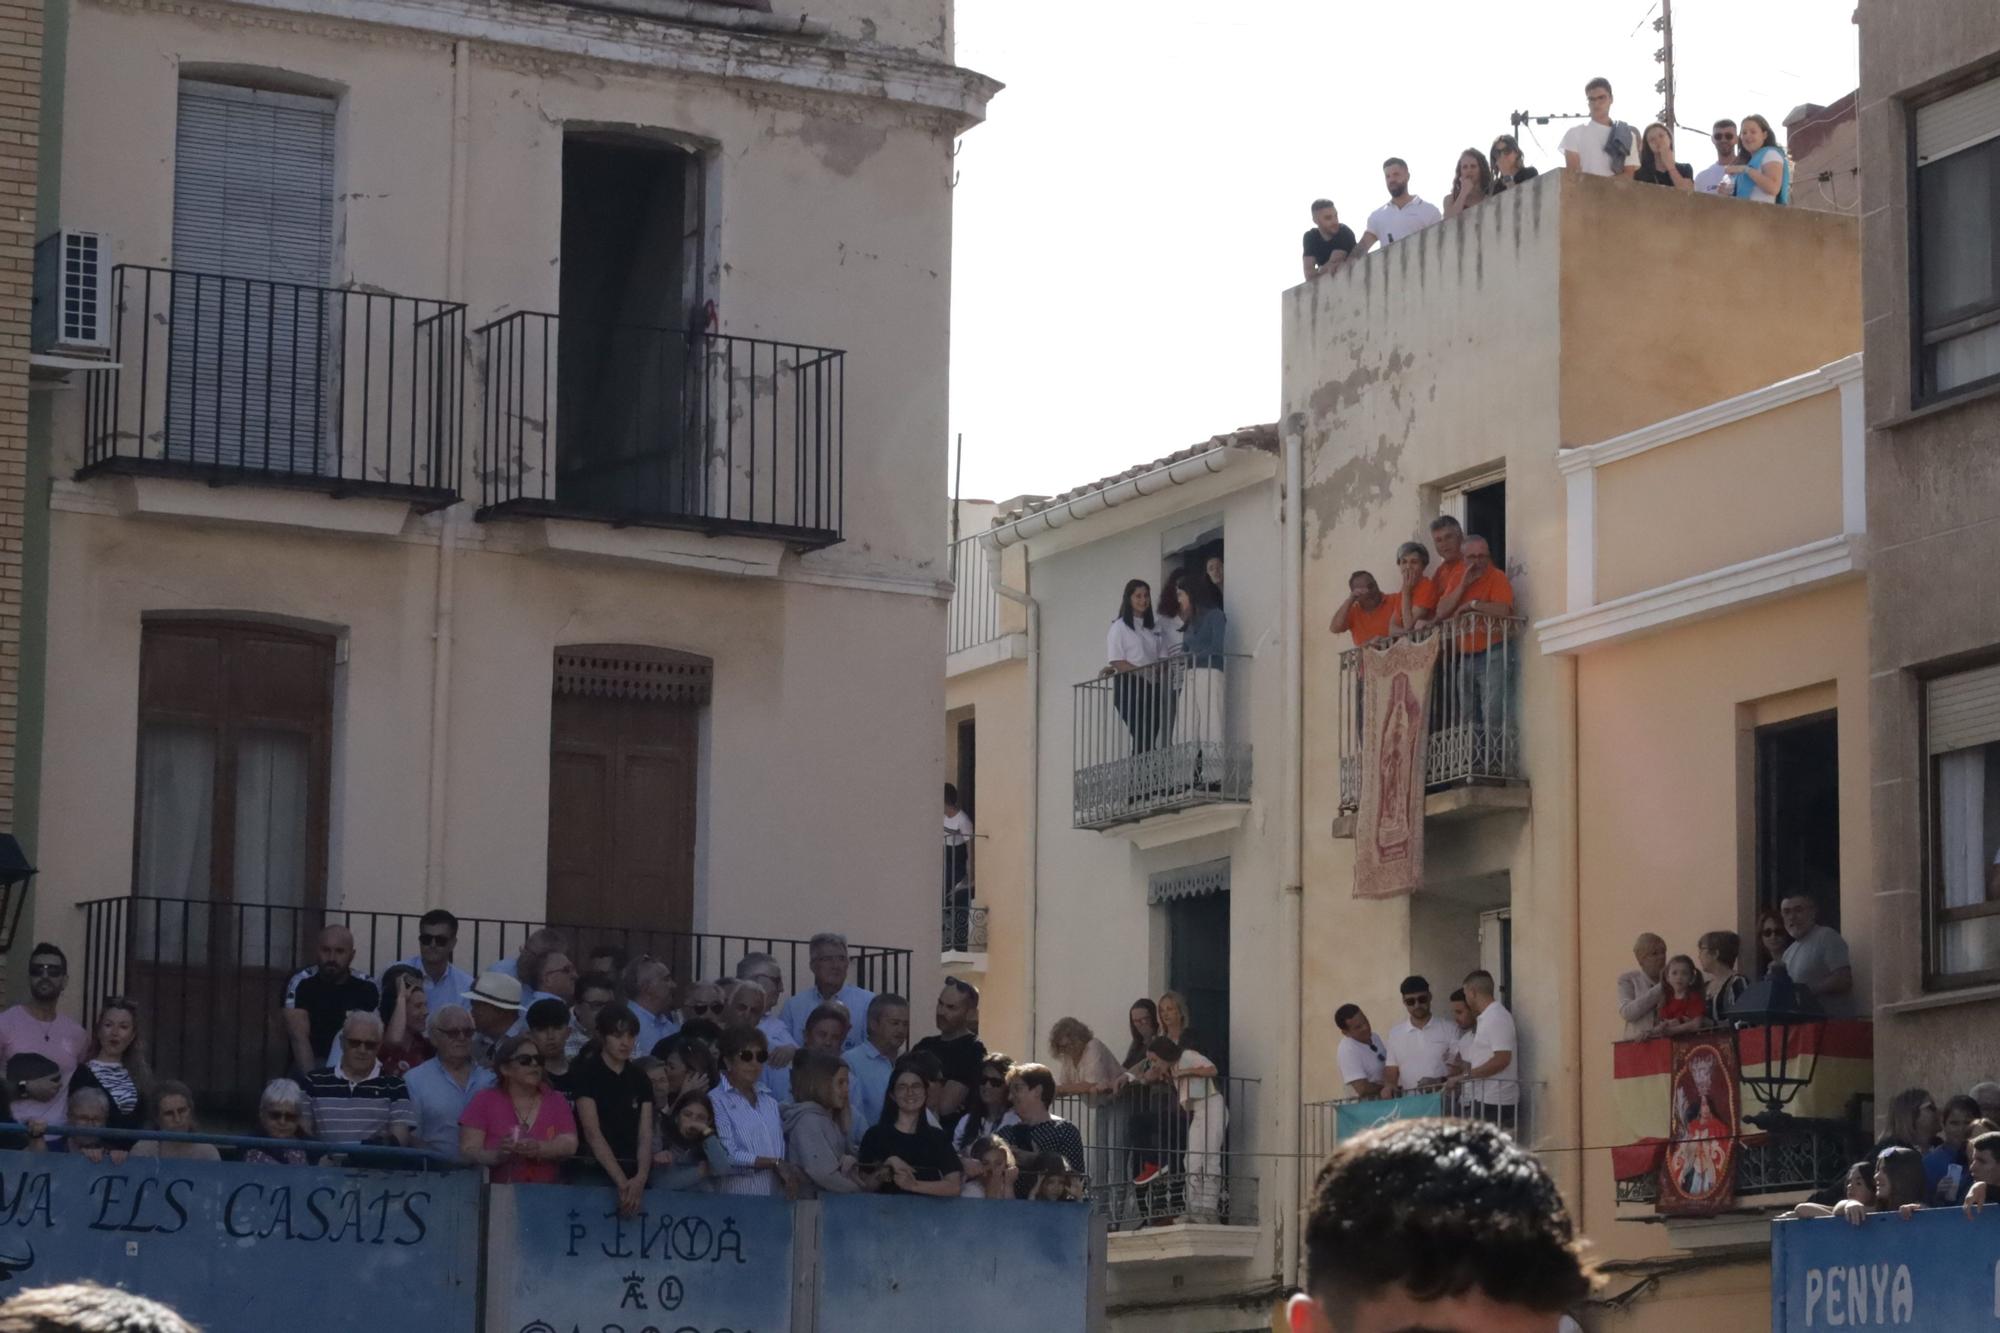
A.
x: 235, y: 379
x: 654, y: 427
x: 964, y: 920
x: 975, y: 606
x: 1474, y: 720
x: 1149, y: 1161
x: 1157, y: 739
x: 1801, y: 1157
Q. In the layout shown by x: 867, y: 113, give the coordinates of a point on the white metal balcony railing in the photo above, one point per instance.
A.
x: 975, y: 606
x: 1155, y: 739
x: 1475, y: 732
x: 1149, y: 1161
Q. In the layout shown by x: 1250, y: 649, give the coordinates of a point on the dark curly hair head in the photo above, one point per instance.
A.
x: 1438, y: 1208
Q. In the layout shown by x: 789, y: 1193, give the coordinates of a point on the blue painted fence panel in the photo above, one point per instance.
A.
x: 561, y: 1260
x: 1938, y: 1272
x: 248, y: 1249
x: 1350, y: 1118
x: 913, y: 1265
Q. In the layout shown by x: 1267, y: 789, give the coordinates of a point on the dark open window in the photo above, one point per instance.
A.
x: 1486, y: 516
x: 1798, y: 814
x: 1956, y: 276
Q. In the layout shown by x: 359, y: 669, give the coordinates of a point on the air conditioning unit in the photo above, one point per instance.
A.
x: 72, y: 312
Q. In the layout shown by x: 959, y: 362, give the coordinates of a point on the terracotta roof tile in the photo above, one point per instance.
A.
x: 1246, y: 437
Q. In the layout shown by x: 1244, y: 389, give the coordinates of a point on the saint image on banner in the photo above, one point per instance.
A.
x: 1395, y: 737
x: 1698, y: 1172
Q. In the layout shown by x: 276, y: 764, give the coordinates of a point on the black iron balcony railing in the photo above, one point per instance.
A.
x: 1151, y: 1160
x: 209, y: 976
x: 975, y: 606
x: 234, y: 379
x: 658, y: 427
x: 964, y: 920
x: 1798, y: 1157
x: 1474, y: 720
x: 1157, y: 738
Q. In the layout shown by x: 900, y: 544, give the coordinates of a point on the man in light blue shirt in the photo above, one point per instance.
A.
x: 649, y: 990
x: 437, y: 937
x: 827, y: 956
x: 872, y: 1061
x: 442, y: 1086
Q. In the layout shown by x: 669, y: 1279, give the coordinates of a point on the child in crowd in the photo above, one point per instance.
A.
x: 990, y: 1172
x: 691, y: 1154
x: 1686, y: 1005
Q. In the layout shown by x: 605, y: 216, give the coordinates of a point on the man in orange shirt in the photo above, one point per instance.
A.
x: 1448, y: 537
x: 1482, y: 597
x: 1366, y: 614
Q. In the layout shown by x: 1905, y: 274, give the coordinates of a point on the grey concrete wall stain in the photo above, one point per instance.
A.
x: 841, y: 146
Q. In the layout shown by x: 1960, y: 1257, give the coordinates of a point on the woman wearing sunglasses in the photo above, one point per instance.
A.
x: 520, y: 1129
x: 614, y: 1106
x: 281, y: 1114
x: 747, y: 1118
x: 904, y: 1152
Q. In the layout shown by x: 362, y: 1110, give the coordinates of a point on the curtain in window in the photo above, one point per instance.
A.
x: 1964, y: 946
x: 176, y: 816
x: 271, y: 805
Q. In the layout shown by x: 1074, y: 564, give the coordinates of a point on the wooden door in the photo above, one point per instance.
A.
x: 622, y: 813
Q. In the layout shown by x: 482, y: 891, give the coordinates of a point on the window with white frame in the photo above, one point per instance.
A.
x: 1957, y: 279
x: 1962, y: 745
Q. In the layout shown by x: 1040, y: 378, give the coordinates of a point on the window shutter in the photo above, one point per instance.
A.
x: 1958, y: 122
x: 253, y: 243
x: 1962, y: 711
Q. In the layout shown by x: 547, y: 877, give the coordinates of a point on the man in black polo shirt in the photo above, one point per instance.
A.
x: 956, y: 1047
x: 1327, y: 242
x: 319, y: 999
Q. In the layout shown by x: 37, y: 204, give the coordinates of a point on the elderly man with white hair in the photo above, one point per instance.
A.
x: 1641, y: 990
x: 826, y: 955
x: 357, y: 1103
x: 441, y: 1087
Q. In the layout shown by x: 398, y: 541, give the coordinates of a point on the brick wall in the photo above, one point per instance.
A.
x: 20, y: 109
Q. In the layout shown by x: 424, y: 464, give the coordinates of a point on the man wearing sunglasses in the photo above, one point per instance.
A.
x: 437, y: 938
x: 34, y: 1027
x: 1715, y: 177
x: 1420, y: 1047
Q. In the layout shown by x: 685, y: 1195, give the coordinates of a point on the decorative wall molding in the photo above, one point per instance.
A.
x: 634, y: 671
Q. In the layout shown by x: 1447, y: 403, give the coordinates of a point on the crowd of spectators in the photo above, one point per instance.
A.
x: 1685, y: 992
x: 1466, y: 582
x: 1750, y: 163
x: 1927, y: 1159
x: 615, y: 1075
x: 1186, y: 624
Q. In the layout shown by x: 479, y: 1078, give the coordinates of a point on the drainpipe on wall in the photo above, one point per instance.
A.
x: 1573, y: 1000
x: 1020, y: 597
x: 1293, y: 905
x: 441, y: 621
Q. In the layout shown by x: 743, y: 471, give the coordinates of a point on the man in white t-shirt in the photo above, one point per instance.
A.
x: 957, y: 870
x: 1402, y: 217
x: 1361, y: 1055
x: 1492, y: 1085
x: 1601, y: 146
x: 1715, y: 178
x: 1421, y: 1046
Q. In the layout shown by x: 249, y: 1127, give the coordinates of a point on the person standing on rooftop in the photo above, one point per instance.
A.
x: 1403, y: 216
x: 1601, y: 146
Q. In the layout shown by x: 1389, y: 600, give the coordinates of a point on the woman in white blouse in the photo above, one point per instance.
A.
x: 1133, y: 642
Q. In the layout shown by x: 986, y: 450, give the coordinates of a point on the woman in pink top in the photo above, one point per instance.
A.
x: 520, y: 1129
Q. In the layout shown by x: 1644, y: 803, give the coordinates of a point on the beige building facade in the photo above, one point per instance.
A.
x: 1666, y: 480
x: 1930, y: 143
x: 500, y: 500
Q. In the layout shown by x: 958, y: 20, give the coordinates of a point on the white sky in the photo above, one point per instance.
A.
x: 1131, y: 209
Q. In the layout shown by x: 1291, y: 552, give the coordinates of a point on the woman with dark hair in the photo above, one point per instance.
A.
x: 1765, y: 174
x: 1041, y: 1130
x: 1132, y: 642
x: 1198, y: 710
x: 405, y: 1014
x: 691, y: 1154
x: 173, y: 1110
x: 522, y: 1128
x: 1717, y: 951
x: 904, y: 1151
x: 116, y: 1065
x: 1171, y: 615
x: 1471, y: 183
x: 747, y: 1117
x: 1772, y: 938
x: 988, y: 1110
x: 1656, y: 160
x: 1146, y: 1102
x: 1509, y: 169
x: 1913, y: 1121
x: 614, y: 1106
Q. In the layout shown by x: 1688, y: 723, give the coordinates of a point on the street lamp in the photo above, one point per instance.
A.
x: 15, y: 872
x: 1791, y: 1020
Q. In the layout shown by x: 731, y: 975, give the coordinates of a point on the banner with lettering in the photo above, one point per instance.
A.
x: 1936, y: 1272
x: 1698, y: 1170
x: 247, y: 1249
x: 1395, y: 739
x: 560, y: 1260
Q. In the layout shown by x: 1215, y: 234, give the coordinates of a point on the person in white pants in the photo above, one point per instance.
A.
x: 1195, y: 1077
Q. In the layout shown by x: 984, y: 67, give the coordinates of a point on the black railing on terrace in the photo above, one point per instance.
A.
x: 975, y: 606
x: 964, y: 921
x: 1798, y: 1157
x: 1157, y: 738
x: 1152, y: 1161
x: 209, y: 977
x: 656, y: 427
x: 230, y: 379
x: 1475, y: 727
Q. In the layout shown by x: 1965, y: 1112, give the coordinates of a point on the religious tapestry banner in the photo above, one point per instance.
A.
x: 1698, y: 1171
x: 1395, y: 738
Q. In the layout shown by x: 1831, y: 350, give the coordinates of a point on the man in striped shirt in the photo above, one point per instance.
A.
x: 357, y: 1103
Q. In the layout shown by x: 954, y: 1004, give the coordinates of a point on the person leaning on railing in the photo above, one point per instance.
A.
x: 1133, y: 641
x: 173, y: 1110
x: 521, y: 1129
x: 116, y: 1064
x: 281, y: 1114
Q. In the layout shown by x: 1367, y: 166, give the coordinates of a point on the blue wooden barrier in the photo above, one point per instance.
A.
x: 248, y: 1249
x: 1938, y: 1272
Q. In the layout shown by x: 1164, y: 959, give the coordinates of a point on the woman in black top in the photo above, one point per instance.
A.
x: 1656, y: 160
x: 614, y: 1106
x: 116, y: 1064
x: 908, y: 1154
x: 1508, y: 168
